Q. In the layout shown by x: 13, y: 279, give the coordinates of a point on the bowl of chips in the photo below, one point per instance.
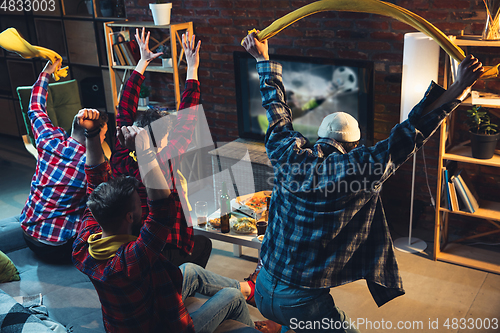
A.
x: 244, y: 225
x: 215, y: 222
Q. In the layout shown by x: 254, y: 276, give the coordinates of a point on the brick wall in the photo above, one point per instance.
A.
x: 221, y: 24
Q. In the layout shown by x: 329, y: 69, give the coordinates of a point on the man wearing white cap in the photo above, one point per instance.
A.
x: 326, y: 222
x: 341, y: 127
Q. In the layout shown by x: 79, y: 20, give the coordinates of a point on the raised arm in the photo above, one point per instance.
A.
x: 182, y: 133
x: 89, y: 121
x: 127, y: 107
x: 192, y: 55
x: 469, y: 71
x: 152, y: 177
x: 406, y: 138
x: 146, y: 54
x: 40, y: 121
x: 258, y: 50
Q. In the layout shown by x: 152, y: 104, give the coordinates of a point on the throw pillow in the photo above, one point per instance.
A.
x: 8, y: 272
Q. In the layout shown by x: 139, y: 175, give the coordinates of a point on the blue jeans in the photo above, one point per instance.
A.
x: 302, y: 310
x: 226, y: 301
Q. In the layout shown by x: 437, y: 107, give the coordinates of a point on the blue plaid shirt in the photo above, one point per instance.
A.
x: 53, y: 211
x: 327, y: 224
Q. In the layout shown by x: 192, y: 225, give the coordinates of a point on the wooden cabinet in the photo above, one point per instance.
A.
x: 173, y: 37
x: 488, y: 212
x: 74, y: 29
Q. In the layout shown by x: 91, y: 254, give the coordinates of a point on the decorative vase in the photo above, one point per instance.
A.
x: 483, y: 145
x: 161, y: 13
x: 166, y: 62
x: 492, y: 27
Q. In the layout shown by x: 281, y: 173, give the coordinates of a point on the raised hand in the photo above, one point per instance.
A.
x: 469, y: 71
x: 126, y: 136
x: 259, y: 50
x: 143, y: 42
x: 88, y: 119
x: 50, y: 67
x: 192, y: 51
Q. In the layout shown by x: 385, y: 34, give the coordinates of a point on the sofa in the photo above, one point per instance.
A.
x: 67, y: 293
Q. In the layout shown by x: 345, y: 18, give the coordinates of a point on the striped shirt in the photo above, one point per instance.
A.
x: 53, y: 211
x: 327, y: 224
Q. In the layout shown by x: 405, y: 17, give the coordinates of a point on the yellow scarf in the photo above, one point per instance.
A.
x: 12, y: 41
x: 105, y: 248
x: 374, y: 7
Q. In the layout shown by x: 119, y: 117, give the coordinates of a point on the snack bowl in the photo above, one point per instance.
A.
x: 243, y: 225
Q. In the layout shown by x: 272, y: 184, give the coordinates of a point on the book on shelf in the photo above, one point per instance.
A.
x: 465, y: 191
x: 120, y: 60
x: 484, y: 98
x: 446, y: 201
x: 464, y: 179
x: 126, y: 52
x: 453, y: 197
x: 128, y: 58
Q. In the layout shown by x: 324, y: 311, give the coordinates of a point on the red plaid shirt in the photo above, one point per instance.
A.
x: 123, y: 164
x: 139, y: 289
x: 54, y: 208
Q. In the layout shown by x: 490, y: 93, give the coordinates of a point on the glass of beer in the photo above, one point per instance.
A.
x: 201, y: 211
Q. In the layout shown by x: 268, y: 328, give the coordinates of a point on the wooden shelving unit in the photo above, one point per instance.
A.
x: 489, y: 211
x: 174, y: 37
x: 74, y: 29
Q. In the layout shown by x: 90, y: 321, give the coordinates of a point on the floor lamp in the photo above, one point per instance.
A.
x: 420, y: 66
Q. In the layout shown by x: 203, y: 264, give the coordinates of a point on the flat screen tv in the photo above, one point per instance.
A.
x: 315, y: 87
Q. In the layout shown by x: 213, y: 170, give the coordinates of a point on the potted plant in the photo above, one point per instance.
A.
x: 484, y: 134
x: 166, y: 58
x: 161, y: 12
x: 144, y: 95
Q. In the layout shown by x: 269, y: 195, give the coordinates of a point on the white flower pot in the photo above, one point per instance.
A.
x: 166, y: 62
x: 161, y: 13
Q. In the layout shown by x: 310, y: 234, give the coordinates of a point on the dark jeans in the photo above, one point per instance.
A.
x: 295, y: 307
x: 201, y: 252
x: 59, y: 254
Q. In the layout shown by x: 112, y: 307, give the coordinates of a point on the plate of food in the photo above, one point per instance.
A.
x: 244, y: 225
x: 252, y: 204
x: 214, y: 222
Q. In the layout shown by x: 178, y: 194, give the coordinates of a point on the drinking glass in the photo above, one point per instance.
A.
x: 201, y: 211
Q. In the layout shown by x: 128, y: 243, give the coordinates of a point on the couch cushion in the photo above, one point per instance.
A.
x: 11, y: 235
x: 8, y: 272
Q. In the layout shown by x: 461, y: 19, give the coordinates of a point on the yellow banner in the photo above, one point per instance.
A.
x: 374, y: 7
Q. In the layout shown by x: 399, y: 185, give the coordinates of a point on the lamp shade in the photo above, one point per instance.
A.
x: 420, y: 67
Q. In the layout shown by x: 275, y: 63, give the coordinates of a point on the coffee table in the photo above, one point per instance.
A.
x: 238, y: 240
